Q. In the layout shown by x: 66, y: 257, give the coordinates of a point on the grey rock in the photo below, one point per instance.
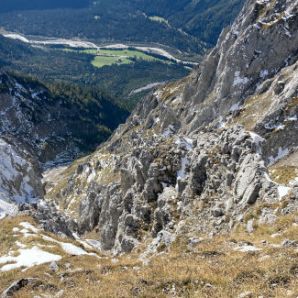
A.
x: 250, y: 226
x: 290, y: 243
x: 18, y: 285
x: 245, y: 188
x: 251, y: 194
x: 198, y: 175
x: 54, y: 267
x: 217, y: 212
x: 229, y: 179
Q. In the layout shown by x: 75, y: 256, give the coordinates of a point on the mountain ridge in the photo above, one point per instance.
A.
x: 195, y: 195
x: 185, y: 140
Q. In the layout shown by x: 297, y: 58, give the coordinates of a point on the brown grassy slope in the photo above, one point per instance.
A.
x: 211, y: 268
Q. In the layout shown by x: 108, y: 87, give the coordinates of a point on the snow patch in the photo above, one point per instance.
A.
x: 145, y: 88
x: 15, y: 183
x: 238, y: 80
x: 91, y: 176
x: 7, y: 209
x: 169, y: 131
x: 16, y: 36
x: 247, y: 248
x: 69, y: 248
x: 27, y: 258
x: 264, y: 73
x: 72, y: 249
x: 221, y: 123
x: 20, y: 245
x: 283, y: 191
x: 94, y: 243
x: 292, y: 118
x: 181, y: 174
x: 184, y: 143
x: 29, y: 226
x: 257, y: 139
x: 235, y: 107
x: 281, y: 153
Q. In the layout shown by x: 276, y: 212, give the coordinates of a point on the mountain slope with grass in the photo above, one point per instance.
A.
x: 195, y: 195
x: 198, y: 153
x: 42, y: 126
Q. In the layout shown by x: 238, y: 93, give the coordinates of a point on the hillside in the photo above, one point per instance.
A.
x: 76, y: 67
x: 195, y: 195
x: 199, y: 151
x: 181, y: 28
x: 119, y: 21
x: 22, y: 5
x: 59, y: 119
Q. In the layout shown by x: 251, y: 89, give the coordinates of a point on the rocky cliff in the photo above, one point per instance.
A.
x: 199, y: 153
x: 53, y: 125
x: 200, y: 184
x: 40, y: 128
x: 20, y: 180
x: 196, y: 156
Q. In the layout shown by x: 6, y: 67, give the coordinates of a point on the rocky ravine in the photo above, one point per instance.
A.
x: 39, y: 129
x: 198, y: 154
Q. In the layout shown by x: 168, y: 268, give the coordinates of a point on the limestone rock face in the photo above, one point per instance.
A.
x: 40, y: 129
x: 20, y: 180
x: 197, y: 154
x: 245, y: 188
x: 54, y: 128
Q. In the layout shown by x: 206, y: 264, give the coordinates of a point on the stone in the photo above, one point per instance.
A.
x: 54, y: 267
x: 229, y: 179
x: 290, y: 243
x: 18, y: 285
x: 245, y: 177
x: 250, y: 226
x: 246, y: 294
x: 217, y: 212
x: 198, y: 174
x: 251, y: 194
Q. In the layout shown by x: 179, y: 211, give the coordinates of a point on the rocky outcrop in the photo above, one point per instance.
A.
x: 40, y: 129
x: 194, y: 155
x: 18, y: 285
x: 209, y: 180
x: 20, y: 179
x: 53, y: 127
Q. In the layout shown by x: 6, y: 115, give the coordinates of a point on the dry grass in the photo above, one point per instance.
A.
x: 253, y: 110
x: 211, y: 268
x: 7, y: 237
x: 286, y: 169
x: 284, y: 174
x: 293, y: 103
x: 172, y: 89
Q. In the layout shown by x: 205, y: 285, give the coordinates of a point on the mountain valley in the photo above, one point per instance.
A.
x: 194, y: 194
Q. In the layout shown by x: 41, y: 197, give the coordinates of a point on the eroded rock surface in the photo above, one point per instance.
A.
x: 194, y: 155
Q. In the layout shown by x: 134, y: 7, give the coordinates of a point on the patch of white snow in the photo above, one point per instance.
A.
x: 238, y: 80
x: 283, y: 191
x: 27, y: 258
